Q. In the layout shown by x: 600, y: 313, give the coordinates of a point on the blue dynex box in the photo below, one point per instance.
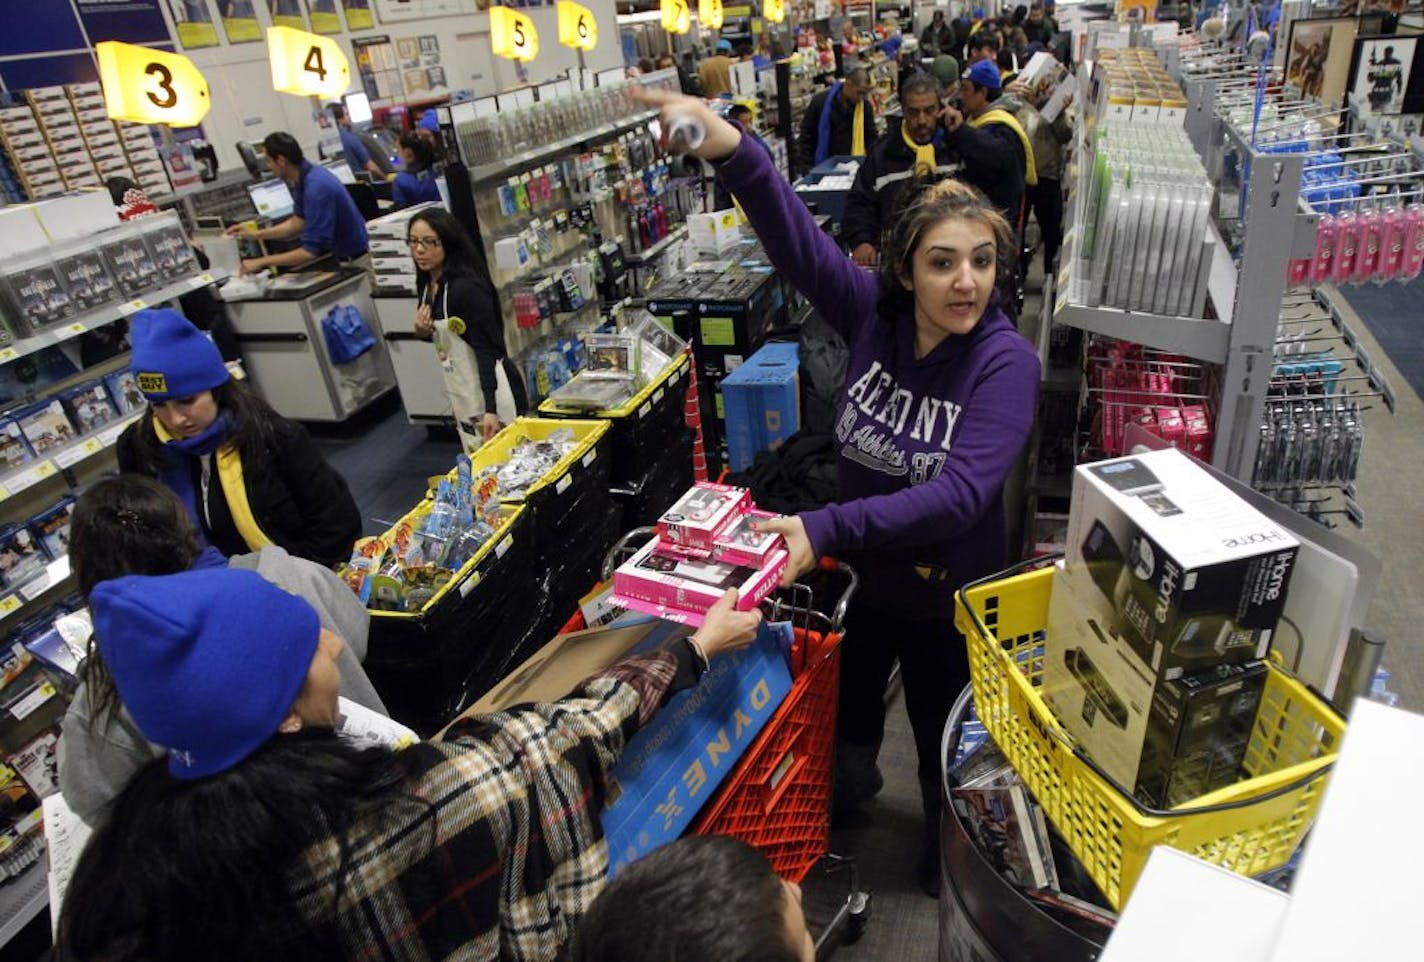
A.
x: 762, y: 403
x: 675, y: 763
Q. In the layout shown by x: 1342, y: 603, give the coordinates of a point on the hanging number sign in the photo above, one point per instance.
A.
x: 512, y: 34
x: 577, y: 28
x: 147, y: 86
x: 677, y: 16
x: 773, y: 10
x: 709, y: 14
x: 306, y: 64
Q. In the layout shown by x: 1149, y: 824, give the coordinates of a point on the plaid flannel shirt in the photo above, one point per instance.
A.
x: 501, y: 850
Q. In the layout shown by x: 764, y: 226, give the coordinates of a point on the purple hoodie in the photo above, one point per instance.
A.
x: 924, y: 444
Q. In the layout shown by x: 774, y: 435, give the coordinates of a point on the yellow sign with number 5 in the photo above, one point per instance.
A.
x: 147, y: 86
x: 305, y: 64
x: 512, y: 34
x: 709, y: 14
x: 677, y: 16
x: 577, y: 27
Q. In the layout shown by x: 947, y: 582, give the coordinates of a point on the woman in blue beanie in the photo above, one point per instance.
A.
x: 133, y: 525
x: 247, y: 476
x: 263, y: 836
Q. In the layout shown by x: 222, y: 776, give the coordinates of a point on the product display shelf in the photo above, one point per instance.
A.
x: 535, y: 155
x: 81, y: 449
x: 108, y: 314
x: 656, y: 251
x: 22, y: 898
x: 56, y: 574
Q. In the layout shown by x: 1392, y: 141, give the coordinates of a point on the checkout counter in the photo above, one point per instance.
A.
x: 284, y: 350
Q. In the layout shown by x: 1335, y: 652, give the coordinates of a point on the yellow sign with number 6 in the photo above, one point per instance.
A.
x: 577, y: 27
x: 677, y: 16
x: 512, y: 34
x: 305, y: 64
x: 147, y: 86
x: 709, y: 14
x: 773, y: 10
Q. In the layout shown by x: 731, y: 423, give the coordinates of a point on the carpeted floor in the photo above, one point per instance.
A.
x: 1394, y: 313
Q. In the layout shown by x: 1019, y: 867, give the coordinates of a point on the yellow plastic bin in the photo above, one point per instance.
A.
x: 1250, y: 827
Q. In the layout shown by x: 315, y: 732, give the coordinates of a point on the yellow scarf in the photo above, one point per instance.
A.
x: 1000, y: 116
x: 857, y: 132
x: 229, y: 464
x: 924, y: 153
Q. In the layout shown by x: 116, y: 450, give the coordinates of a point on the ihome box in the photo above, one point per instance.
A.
x: 1196, y: 577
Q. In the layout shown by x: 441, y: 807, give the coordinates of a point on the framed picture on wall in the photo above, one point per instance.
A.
x: 1387, y: 75
x: 194, y: 21
x: 1319, y: 52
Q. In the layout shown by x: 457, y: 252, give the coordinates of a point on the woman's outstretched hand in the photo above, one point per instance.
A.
x: 722, y: 137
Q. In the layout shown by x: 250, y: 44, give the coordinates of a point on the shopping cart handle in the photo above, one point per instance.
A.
x: 623, y: 548
x: 843, y: 603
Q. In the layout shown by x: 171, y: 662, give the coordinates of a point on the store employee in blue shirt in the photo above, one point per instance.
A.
x: 326, y: 219
x: 353, y: 147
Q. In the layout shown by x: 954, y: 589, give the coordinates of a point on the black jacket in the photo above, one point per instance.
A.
x: 299, y: 500
x: 887, y: 168
x: 941, y: 40
x: 841, y: 129
x: 994, y: 162
x: 479, y: 307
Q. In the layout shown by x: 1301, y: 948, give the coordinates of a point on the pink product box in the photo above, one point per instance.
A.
x: 672, y: 586
x: 702, y: 514
x: 742, y: 544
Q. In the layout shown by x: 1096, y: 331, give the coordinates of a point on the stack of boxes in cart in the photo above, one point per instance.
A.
x: 1159, y: 622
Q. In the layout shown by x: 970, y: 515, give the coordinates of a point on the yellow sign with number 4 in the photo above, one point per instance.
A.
x: 774, y: 10
x: 512, y: 34
x: 677, y: 16
x: 305, y: 64
x: 577, y: 27
x: 147, y: 86
x: 709, y: 14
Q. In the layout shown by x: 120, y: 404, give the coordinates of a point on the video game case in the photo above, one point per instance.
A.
x: 14, y: 449
x: 87, y: 278
x: 131, y: 263
x: 996, y: 819
x: 38, y: 294
x: 46, y: 426
x: 51, y: 528
x: 38, y: 763
x: 88, y: 406
x: 172, y: 254
x: 21, y: 557
x: 123, y: 391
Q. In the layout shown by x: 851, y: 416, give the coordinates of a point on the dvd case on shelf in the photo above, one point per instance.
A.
x: 132, y: 265
x: 46, y: 426
x: 172, y: 254
x: 38, y: 295
x: 124, y: 392
x: 87, y: 276
x: 14, y: 449
x: 51, y: 528
x: 88, y: 406
x: 21, y: 558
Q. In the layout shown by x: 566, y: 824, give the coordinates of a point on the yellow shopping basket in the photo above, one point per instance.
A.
x: 1250, y: 827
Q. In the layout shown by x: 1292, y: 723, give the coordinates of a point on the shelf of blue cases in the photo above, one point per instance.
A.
x: 22, y: 898
x: 107, y: 314
x: 67, y: 457
x: 56, y: 573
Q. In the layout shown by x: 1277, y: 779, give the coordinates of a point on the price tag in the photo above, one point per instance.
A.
x: 676, y: 16
x: 203, y: 280
x: 30, y: 477
x: 577, y: 26
x: 32, y: 590
x: 306, y: 64
x: 72, y: 456
x: 512, y: 34
x: 148, y: 86
x: 76, y: 328
x: 709, y: 14
x: 9, y: 605
x: 8, y: 354
x: 129, y: 308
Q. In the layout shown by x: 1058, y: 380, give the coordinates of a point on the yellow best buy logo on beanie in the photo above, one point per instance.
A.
x: 152, y: 383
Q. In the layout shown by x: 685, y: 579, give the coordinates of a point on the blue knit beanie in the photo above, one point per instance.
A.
x: 172, y: 358
x: 986, y: 74
x: 429, y: 121
x: 207, y: 662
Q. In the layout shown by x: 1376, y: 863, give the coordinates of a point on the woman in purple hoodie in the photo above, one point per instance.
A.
x: 940, y: 397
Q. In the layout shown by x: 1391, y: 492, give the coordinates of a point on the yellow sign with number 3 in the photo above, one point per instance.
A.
x: 709, y: 14
x: 577, y: 27
x: 147, y: 86
x: 677, y: 16
x: 305, y: 64
x: 512, y: 34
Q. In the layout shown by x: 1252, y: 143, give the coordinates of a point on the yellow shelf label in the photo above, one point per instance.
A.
x: 8, y: 354
x: 9, y: 604
x: 76, y: 328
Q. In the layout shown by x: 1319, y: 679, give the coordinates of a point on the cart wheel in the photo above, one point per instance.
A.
x: 859, y: 916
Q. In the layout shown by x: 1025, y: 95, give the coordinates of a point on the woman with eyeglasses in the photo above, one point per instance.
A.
x: 460, y: 311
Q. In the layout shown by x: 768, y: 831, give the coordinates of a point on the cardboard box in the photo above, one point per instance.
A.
x: 677, y: 761
x: 714, y: 233
x: 1195, y: 576
x: 1197, y: 734
x: 1098, y: 687
x: 761, y: 401
x: 702, y: 514
x: 663, y: 582
x: 742, y: 544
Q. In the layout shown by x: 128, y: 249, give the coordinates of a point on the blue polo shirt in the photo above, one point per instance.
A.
x: 415, y: 187
x: 333, y: 224
x: 355, y: 150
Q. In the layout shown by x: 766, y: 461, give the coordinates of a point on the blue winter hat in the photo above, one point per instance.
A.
x: 429, y: 121
x: 207, y: 662
x: 724, y: 45
x: 171, y: 358
x: 985, y: 73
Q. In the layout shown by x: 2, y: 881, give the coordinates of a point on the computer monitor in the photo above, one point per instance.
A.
x: 358, y: 108
x: 342, y: 170
x: 254, y: 157
x: 272, y: 199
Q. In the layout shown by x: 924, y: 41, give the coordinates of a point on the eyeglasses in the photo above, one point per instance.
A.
x: 423, y: 243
